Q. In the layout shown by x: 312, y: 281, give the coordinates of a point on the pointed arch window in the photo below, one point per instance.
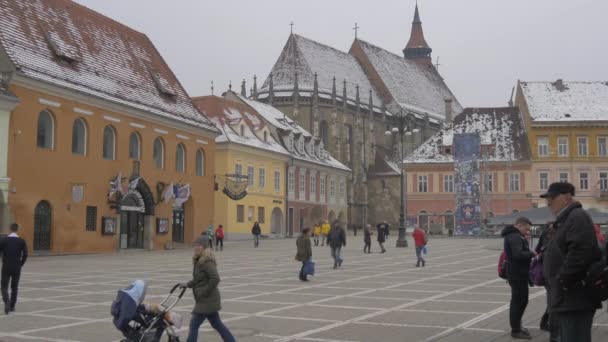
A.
x: 109, y: 143
x: 134, y: 146
x: 180, y: 158
x: 79, y: 137
x: 158, y: 153
x: 200, y: 162
x: 46, y: 130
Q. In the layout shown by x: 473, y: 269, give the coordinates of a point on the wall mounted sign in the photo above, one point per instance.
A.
x: 108, y: 225
x: 162, y: 226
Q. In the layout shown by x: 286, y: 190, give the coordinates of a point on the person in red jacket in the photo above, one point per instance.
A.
x: 419, y: 241
x: 219, y: 238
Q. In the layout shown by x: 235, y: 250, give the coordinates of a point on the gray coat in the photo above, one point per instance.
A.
x: 567, y: 258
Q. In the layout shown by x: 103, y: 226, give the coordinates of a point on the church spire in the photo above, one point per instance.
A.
x: 417, y: 49
x: 254, y: 91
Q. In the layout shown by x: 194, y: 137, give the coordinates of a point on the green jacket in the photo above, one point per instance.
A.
x: 304, y: 248
x: 204, y: 283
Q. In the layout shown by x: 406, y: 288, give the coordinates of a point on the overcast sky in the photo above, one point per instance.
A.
x: 484, y: 46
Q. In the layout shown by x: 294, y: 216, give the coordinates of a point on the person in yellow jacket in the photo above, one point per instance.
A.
x: 317, y: 233
x: 325, y: 231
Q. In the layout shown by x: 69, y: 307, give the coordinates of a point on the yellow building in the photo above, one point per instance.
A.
x: 250, y: 163
x: 567, y: 124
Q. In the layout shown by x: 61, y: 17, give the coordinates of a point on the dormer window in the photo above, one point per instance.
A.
x: 163, y: 86
x: 301, y: 147
x: 61, y: 49
x: 290, y: 142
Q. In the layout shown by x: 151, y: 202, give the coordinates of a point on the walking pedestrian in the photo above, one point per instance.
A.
x: 518, y: 269
x: 420, y: 241
x: 219, y: 238
x: 204, y: 285
x: 304, y: 251
x: 256, y: 231
x: 547, y: 321
x: 367, y: 238
x: 336, y: 239
x: 210, y: 235
x: 325, y: 228
x: 13, y: 250
x: 317, y: 233
x: 387, y: 229
x: 381, y: 229
x: 567, y: 258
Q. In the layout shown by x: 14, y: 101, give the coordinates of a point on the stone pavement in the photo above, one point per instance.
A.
x: 377, y: 297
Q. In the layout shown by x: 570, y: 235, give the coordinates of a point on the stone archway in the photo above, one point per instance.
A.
x: 276, y: 221
x: 331, y: 217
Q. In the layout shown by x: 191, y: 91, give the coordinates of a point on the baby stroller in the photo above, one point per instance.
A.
x: 143, y: 322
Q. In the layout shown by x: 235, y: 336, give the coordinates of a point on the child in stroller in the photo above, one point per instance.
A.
x: 144, y: 322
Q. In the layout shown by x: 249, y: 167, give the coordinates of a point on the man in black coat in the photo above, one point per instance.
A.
x: 336, y: 239
x: 518, y: 269
x: 566, y: 260
x: 13, y: 250
x: 382, y: 228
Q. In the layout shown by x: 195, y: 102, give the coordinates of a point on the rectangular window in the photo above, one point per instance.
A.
x: 543, y: 146
x: 291, y: 181
x: 543, y: 178
x: 342, y: 189
x: 423, y: 184
x: 322, y: 186
x: 250, y: 175
x: 563, y: 177
x: 602, y: 148
x: 448, y: 183
x: 302, y: 183
x: 562, y: 146
x: 583, y: 181
x: 240, y: 213
x: 313, y: 184
x: 277, y: 180
x: 262, y: 176
x: 250, y: 210
x: 261, y: 213
x: 238, y: 169
x: 332, y: 188
x: 514, y: 182
x: 604, y: 181
x: 91, y: 224
x: 583, y: 146
x: 488, y: 182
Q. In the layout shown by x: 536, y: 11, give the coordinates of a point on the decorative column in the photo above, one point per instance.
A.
x: 315, y: 108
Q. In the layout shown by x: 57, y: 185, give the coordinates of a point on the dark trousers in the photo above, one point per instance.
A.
x: 382, y: 246
x: 214, y: 319
x: 211, y: 242
x: 335, y: 254
x: 419, y: 257
x: 12, y: 276
x: 302, y: 275
x: 550, y: 321
x: 519, y: 301
x: 368, y: 247
x: 219, y: 243
x: 575, y: 326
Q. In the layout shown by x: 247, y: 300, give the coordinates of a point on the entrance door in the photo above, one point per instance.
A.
x: 276, y: 221
x: 290, y: 222
x: 42, y: 226
x: 132, y: 222
x: 178, y: 225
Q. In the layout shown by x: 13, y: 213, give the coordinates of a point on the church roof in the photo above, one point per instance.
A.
x: 68, y: 45
x: 501, y: 131
x: 413, y: 86
x: 562, y: 101
x: 307, y: 57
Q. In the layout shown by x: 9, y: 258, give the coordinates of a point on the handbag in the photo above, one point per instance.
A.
x: 424, y: 250
x: 537, y: 276
x: 309, y: 268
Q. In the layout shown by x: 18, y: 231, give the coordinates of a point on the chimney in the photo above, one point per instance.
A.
x: 448, y: 109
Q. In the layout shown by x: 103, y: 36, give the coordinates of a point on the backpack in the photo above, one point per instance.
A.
x: 502, y: 265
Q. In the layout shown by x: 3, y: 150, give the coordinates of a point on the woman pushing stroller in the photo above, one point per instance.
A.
x: 205, y: 280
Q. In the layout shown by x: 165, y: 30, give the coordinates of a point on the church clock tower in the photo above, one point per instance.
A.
x: 417, y: 49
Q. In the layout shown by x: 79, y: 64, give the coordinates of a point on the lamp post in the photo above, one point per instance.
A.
x: 401, y: 131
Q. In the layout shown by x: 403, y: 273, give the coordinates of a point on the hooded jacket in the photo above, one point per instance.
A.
x: 567, y: 258
x: 518, y: 253
x: 205, y: 280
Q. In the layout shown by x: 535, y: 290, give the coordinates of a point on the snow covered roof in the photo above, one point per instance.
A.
x: 280, y: 121
x: 502, y: 133
x: 566, y: 101
x: 413, y: 86
x: 233, y: 118
x: 71, y: 46
x: 307, y: 57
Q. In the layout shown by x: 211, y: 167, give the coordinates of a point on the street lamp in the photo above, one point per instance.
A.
x: 401, y: 131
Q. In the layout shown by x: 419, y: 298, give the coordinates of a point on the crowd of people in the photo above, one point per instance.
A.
x: 568, y: 249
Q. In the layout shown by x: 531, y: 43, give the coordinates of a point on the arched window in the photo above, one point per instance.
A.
x: 46, y: 130
x: 79, y: 137
x: 324, y: 132
x: 180, y: 158
x: 158, y: 153
x: 200, y: 162
x: 109, y: 143
x: 134, y: 146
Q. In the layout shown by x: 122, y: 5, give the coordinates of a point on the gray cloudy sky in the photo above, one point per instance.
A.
x: 484, y: 46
